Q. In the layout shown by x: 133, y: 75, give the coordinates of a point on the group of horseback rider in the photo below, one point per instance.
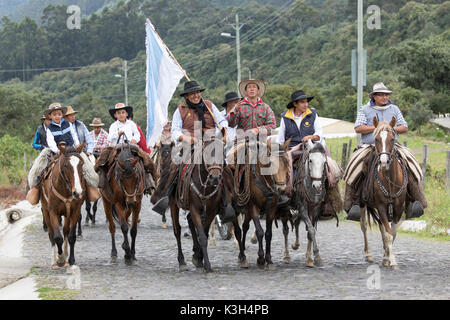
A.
x: 240, y: 118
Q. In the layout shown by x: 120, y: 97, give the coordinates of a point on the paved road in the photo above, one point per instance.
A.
x: 424, y: 266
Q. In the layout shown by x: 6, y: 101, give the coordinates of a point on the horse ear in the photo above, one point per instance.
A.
x: 310, y: 144
x: 80, y: 146
x: 287, y: 143
x: 62, y: 146
x: 375, y: 122
x: 393, y: 121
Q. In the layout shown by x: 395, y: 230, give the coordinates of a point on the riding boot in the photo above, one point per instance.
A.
x: 161, y: 205
x: 417, y: 202
x: 101, y: 177
x: 350, y: 205
x: 227, y: 214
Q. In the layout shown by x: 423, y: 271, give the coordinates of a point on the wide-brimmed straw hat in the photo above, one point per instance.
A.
x: 243, y: 84
x: 70, y: 111
x: 53, y: 107
x: 379, y: 87
x: 120, y: 106
x: 97, y: 122
x: 191, y: 86
x: 298, y: 95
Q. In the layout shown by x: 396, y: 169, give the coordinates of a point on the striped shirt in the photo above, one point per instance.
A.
x: 100, y: 141
x: 251, y: 116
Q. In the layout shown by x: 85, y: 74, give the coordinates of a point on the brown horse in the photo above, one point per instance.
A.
x: 262, y: 181
x: 203, y: 185
x: 385, y: 190
x: 62, y: 193
x: 122, y: 197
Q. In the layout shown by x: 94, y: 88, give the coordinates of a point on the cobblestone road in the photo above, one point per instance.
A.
x: 424, y: 266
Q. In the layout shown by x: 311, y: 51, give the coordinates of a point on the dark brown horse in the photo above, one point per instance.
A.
x: 262, y: 181
x: 62, y: 193
x: 122, y: 197
x: 201, y: 190
x: 162, y: 158
x: 385, y: 190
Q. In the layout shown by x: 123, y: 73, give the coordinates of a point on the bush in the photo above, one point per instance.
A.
x: 11, y: 158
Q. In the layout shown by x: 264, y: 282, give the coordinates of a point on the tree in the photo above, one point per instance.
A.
x: 421, y: 115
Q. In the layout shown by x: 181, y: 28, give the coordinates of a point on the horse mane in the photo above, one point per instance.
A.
x: 383, y: 125
x: 318, y: 147
x: 68, y: 151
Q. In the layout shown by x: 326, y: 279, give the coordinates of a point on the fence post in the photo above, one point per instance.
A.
x: 448, y: 169
x: 424, y: 164
x: 344, y: 155
x: 405, y: 143
x: 349, y: 151
x: 25, y: 161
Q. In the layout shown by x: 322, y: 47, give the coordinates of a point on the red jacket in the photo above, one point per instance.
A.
x: 142, y: 142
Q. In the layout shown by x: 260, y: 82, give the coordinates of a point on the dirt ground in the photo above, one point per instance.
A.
x: 10, y: 196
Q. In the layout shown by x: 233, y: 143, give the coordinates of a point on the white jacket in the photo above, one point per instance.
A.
x: 130, y: 132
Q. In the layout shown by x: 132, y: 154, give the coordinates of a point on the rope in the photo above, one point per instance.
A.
x: 242, y: 198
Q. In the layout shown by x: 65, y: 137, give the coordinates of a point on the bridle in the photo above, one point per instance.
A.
x: 137, y: 171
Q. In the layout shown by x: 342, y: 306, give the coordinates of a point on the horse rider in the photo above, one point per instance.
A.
x: 192, y: 110
x: 383, y: 109
x: 58, y: 131
x: 142, y: 141
x: 99, y: 136
x: 231, y: 99
x: 300, y: 124
x: 123, y: 130
x: 40, y: 137
x: 79, y: 131
x: 253, y: 116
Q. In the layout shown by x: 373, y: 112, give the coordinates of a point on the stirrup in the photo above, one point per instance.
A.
x: 282, y: 200
x: 354, y: 213
x: 228, y: 214
x: 414, y: 210
x: 162, y: 205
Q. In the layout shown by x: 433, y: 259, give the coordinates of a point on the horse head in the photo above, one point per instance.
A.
x: 71, y: 169
x: 213, y: 159
x: 315, y: 164
x: 384, y: 142
x: 129, y: 176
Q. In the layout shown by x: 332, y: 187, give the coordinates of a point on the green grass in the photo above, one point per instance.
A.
x: 46, y: 293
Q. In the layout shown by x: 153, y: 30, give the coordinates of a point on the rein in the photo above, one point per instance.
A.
x: 306, y: 178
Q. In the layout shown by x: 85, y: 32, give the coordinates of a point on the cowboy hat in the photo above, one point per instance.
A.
x: 44, y: 118
x: 191, y: 86
x: 53, y: 107
x: 243, y: 85
x: 230, y: 96
x: 379, y: 87
x: 120, y: 106
x: 70, y: 111
x: 97, y: 122
x: 297, y: 95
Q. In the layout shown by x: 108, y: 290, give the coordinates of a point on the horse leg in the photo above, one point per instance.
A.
x: 94, y: 211
x: 259, y: 234
x: 254, y: 238
x: 268, y: 237
x: 242, y: 259
x: 72, y: 239
x: 164, y: 221
x: 57, y: 237
x: 197, y: 257
x: 175, y: 214
x: 233, y: 233
x: 287, y: 257
x: 122, y: 214
x: 133, y: 231
x: 112, y: 227
x: 212, y: 239
x: 363, y: 224
x: 389, y: 258
x: 88, y: 212
x: 202, y: 237
x: 311, y: 239
x: 317, y: 258
x: 296, y: 244
x: 79, y: 233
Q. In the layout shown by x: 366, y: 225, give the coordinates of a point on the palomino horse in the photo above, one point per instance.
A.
x: 201, y: 190
x: 122, y: 197
x: 161, y: 158
x: 63, y: 193
x: 262, y: 183
x: 310, y: 188
x: 385, y: 190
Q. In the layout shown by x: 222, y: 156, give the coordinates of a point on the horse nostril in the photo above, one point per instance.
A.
x: 76, y: 195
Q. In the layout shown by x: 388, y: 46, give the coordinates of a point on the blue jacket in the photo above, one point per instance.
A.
x: 306, y: 126
x: 40, y: 138
x: 62, y: 132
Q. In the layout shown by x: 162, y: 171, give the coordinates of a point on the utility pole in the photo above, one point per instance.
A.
x: 125, y: 79
x: 237, y: 28
x: 360, y: 54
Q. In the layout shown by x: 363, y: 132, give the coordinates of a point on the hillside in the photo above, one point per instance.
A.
x: 288, y: 44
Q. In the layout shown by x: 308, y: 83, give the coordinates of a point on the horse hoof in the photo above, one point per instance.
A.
x: 254, y: 240
x: 183, y: 267
x: 369, y: 259
x: 271, y: 267
x: 394, y: 267
x: 310, y: 264
x: 113, y: 259
x: 197, y: 263
x: 261, y: 261
x: 244, y: 264
x: 318, y: 262
x: 295, y: 246
x: 55, y: 266
x: 66, y: 264
x: 287, y: 260
x: 164, y: 226
x: 80, y: 237
x: 386, y: 263
x: 212, y: 243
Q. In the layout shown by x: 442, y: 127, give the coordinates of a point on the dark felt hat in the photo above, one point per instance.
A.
x: 191, y: 86
x: 298, y: 95
x: 120, y: 106
x: 230, y: 96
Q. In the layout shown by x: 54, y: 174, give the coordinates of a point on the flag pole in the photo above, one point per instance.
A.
x: 168, y: 50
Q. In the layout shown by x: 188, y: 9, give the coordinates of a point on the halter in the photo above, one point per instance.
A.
x: 308, y: 178
x: 389, y: 154
x: 119, y: 173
